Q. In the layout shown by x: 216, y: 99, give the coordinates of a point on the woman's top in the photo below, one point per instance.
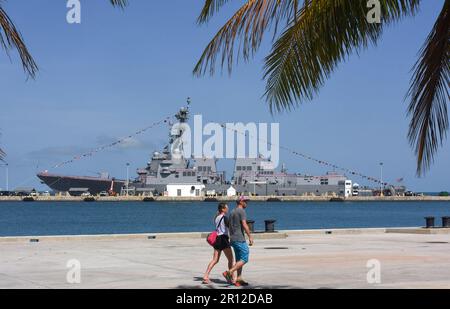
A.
x: 221, y: 222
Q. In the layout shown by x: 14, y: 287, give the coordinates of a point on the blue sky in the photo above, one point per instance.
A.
x: 119, y: 71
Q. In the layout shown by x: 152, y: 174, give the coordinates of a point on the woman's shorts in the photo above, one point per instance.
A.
x: 222, y: 243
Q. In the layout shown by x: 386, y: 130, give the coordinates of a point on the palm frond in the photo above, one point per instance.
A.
x: 249, y: 25
x: 324, y: 34
x: 11, y: 38
x: 429, y: 93
x: 209, y: 8
x: 119, y: 3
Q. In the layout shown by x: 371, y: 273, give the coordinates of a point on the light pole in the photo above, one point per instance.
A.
x: 381, y: 178
x: 6, y: 165
x: 128, y: 177
x: 7, y: 177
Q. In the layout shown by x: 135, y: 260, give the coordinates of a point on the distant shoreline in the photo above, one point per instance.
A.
x: 231, y: 199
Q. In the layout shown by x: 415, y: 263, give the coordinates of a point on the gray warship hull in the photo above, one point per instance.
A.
x: 93, y: 185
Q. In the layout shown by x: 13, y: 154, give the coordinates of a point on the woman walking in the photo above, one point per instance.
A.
x: 222, y: 243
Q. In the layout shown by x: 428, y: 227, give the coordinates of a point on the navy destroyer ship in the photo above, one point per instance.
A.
x: 170, y: 173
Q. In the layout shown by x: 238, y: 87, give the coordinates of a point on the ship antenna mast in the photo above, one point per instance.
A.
x: 183, y: 114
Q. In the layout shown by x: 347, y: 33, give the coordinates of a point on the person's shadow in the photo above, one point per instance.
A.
x: 222, y: 284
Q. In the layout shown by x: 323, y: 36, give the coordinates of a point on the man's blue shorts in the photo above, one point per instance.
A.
x: 241, y: 251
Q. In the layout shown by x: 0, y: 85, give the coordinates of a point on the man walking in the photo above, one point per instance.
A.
x: 238, y: 228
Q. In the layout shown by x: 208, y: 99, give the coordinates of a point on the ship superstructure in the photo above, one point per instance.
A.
x: 256, y: 176
x: 171, y: 167
x: 259, y: 177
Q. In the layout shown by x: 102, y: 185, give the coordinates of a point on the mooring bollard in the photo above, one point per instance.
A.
x: 270, y: 226
x: 251, y: 225
x: 429, y: 222
x: 446, y: 222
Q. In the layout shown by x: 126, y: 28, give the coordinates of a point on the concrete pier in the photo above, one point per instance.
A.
x: 288, y: 259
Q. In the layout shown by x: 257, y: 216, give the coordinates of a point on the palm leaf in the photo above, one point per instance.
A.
x: 209, y: 8
x: 248, y: 25
x: 321, y: 34
x: 429, y: 93
x: 119, y: 3
x: 325, y: 33
x: 11, y: 38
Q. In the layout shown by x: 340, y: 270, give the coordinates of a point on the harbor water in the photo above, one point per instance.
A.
x: 78, y: 218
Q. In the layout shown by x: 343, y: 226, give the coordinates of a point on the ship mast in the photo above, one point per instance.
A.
x: 177, y: 131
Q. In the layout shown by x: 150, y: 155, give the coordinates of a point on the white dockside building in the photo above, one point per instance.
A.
x: 185, y: 190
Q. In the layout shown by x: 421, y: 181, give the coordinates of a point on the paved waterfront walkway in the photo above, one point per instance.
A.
x: 300, y: 261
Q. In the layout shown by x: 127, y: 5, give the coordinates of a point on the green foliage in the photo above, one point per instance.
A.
x: 320, y: 34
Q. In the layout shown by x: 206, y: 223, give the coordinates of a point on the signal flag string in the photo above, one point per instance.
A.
x: 309, y: 158
x: 113, y: 144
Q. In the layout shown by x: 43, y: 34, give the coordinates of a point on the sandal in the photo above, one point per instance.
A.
x: 206, y: 281
x: 242, y: 283
x: 228, y: 277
